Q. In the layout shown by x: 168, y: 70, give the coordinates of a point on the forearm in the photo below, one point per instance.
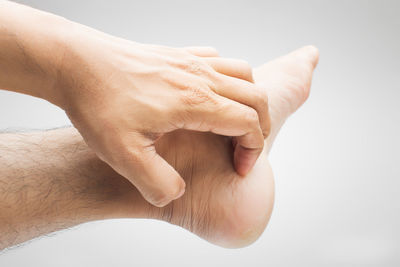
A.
x: 29, y: 49
x: 51, y: 181
x: 41, y: 53
x: 33, y: 46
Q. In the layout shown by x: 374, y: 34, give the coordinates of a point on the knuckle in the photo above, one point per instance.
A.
x: 251, y: 117
x: 218, y: 80
x: 132, y: 155
x: 196, y: 66
x: 197, y: 95
x: 261, y: 99
x: 169, y: 75
x: 135, y: 148
x: 259, y: 139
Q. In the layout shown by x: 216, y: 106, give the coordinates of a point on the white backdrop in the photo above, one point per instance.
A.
x: 336, y: 161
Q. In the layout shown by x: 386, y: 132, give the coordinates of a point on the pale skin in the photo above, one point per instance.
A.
x: 123, y: 96
x: 52, y: 180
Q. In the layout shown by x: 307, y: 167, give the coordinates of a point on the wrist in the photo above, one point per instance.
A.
x: 30, y: 49
x: 56, y: 37
x: 73, y: 62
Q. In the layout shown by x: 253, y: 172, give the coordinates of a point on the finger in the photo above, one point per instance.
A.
x: 158, y: 182
x: 238, y: 120
x: 202, y: 51
x: 244, y: 158
x: 247, y: 94
x: 231, y: 67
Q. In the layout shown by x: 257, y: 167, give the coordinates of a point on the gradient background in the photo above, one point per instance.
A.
x: 336, y: 161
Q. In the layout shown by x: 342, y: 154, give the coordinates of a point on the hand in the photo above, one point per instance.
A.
x: 123, y: 96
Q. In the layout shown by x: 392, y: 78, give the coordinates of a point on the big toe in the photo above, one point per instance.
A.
x: 307, y: 53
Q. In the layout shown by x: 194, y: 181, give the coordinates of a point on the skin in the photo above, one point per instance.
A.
x: 52, y: 180
x: 123, y: 96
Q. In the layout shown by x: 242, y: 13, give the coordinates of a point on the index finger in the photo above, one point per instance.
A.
x: 247, y: 149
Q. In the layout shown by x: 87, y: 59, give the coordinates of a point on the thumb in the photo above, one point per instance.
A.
x: 158, y: 182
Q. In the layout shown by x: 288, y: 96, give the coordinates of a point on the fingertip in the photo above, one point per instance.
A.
x: 267, y: 130
x: 180, y: 194
x: 160, y: 204
x: 181, y: 187
x: 243, y: 169
x: 244, y: 160
x: 171, y: 192
x: 159, y: 182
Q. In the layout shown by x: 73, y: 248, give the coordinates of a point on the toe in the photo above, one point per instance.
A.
x: 310, y: 53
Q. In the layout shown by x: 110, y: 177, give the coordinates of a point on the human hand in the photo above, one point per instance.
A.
x: 123, y: 96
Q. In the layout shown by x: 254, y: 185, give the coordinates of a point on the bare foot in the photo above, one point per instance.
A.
x: 218, y: 205
x: 287, y: 81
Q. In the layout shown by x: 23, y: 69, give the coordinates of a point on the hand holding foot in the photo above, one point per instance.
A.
x: 220, y: 206
x: 62, y: 183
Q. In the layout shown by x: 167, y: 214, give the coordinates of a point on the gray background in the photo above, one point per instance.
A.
x: 336, y: 161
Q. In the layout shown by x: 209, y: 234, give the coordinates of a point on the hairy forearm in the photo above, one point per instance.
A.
x: 51, y: 181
